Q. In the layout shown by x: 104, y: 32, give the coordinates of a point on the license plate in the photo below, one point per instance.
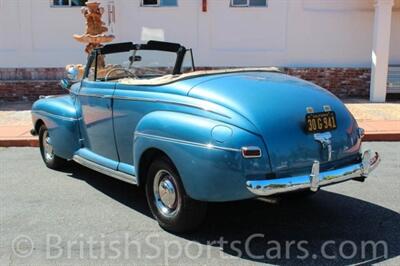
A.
x: 320, y: 122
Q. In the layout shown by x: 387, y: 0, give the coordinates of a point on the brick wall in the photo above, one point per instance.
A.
x: 10, y: 74
x: 28, y: 90
x: 343, y: 82
x: 28, y: 84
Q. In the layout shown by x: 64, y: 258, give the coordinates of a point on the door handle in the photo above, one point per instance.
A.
x: 106, y: 96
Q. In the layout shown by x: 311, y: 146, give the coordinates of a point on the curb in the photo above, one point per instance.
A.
x: 29, y: 142
x: 392, y: 136
x: 34, y: 142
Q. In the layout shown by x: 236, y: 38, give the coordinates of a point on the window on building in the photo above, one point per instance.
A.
x: 249, y: 3
x: 67, y: 3
x: 159, y: 2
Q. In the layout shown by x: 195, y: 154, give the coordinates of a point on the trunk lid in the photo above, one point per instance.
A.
x: 277, y: 105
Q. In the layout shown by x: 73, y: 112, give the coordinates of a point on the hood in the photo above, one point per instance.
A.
x: 277, y: 105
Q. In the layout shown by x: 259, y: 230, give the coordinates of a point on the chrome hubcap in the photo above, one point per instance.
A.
x: 165, y: 193
x: 47, y: 147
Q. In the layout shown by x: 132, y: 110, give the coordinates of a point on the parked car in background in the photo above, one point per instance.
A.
x: 147, y: 117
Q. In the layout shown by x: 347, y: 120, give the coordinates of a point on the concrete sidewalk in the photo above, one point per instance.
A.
x: 15, y: 125
x: 381, y: 122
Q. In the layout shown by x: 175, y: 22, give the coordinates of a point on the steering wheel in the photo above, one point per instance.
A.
x: 119, y: 69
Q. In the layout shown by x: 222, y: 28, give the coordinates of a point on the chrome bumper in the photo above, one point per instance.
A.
x: 315, y: 179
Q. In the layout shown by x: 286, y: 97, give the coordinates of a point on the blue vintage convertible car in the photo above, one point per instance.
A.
x: 143, y: 114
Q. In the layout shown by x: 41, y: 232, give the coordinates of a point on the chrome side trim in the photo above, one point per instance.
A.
x: 105, y: 170
x: 137, y: 99
x: 40, y: 112
x: 315, y: 179
x: 48, y: 96
x: 185, y: 142
x: 169, y: 102
x: 90, y: 95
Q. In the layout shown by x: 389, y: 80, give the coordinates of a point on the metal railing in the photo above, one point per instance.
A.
x: 393, y: 82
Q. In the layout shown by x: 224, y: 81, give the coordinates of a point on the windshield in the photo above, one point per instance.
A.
x: 146, y: 61
x: 139, y: 64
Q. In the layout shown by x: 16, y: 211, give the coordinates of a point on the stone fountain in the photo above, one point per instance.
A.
x: 94, y: 36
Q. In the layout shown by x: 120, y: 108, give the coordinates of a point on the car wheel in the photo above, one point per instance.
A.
x: 174, y: 210
x: 46, y: 150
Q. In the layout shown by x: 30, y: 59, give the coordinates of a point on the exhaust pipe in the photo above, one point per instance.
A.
x: 359, y: 179
x: 271, y: 200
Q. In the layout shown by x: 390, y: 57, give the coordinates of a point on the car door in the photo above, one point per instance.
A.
x: 133, y: 100
x: 96, y: 123
x: 131, y: 103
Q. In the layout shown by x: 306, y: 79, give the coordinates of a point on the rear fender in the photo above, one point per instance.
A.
x: 206, y: 153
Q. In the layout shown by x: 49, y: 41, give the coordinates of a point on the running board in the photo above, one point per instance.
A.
x: 105, y: 170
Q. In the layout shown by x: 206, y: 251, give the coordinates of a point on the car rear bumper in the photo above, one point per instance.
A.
x: 316, y: 178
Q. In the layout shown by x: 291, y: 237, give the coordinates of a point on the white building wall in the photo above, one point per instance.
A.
x: 286, y: 33
x: 335, y: 33
x: 34, y: 35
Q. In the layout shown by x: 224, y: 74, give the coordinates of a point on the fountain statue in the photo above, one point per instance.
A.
x: 94, y: 36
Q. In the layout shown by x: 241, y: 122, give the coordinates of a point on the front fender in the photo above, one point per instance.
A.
x: 206, y: 153
x: 59, y: 115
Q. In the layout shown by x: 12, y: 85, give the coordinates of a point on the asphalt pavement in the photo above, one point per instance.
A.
x: 77, y: 216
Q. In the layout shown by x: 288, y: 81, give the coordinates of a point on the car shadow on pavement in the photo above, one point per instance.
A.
x: 127, y: 194
x: 323, y: 229
x: 327, y: 228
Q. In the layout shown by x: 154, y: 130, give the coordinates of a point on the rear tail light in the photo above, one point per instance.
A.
x: 251, y: 152
x: 361, y: 132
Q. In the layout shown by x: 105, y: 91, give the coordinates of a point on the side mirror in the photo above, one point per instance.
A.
x: 66, y: 84
x: 72, y: 72
x: 72, y: 77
